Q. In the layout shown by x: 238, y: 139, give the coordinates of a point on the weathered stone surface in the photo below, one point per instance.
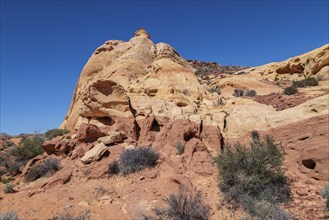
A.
x: 95, y: 153
x: 88, y: 133
x: 111, y: 138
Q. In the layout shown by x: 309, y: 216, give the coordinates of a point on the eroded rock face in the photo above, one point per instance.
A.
x: 88, y: 133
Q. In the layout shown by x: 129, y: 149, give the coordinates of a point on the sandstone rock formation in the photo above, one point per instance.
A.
x: 138, y: 94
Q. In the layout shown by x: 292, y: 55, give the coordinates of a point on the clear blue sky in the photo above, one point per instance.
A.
x: 45, y: 44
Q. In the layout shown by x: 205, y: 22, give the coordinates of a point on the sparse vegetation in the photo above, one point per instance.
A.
x: 309, y: 81
x: 180, y: 148
x: 50, y: 134
x: 133, y: 160
x: 9, y: 188
x: 250, y: 92
x: 241, y: 92
x: 29, y: 148
x: 290, y: 90
x: 325, y: 195
x: 114, y: 167
x: 183, y: 206
x: 9, y: 215
x: 215, y: 89
x: 238, y: 92
x: 252, y: 175
x: 48, y: 167
x: 69, y: 216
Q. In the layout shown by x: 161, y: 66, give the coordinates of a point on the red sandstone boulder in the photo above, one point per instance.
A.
x: 89, y: 133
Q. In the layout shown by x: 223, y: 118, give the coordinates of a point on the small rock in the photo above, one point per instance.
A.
x: 113, y: 137
x: 85, y: 204
x: 95, y: 153
x: 141, y: 178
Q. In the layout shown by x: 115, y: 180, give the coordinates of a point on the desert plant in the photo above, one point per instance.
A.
x: 9, y: 188
x: 9, y: 215
x: 253, y: 172
x: 180, y: 148
x: 48, y: 167
x: 250, y: 92
x: 185, y: 91
x: 114, y: 167
x: 69, y: 216
x: 29, y: 148
x: 215, y: 89
x: 263, y: 210
x: 50, y: 134
x: 325, y: 195
x: 255, y: 135
x: 309, y: 81
x: 184, y: 206
x: 133, y: 160
x: 218, y: 102
x: 238, y: 92
x: 290, y: 90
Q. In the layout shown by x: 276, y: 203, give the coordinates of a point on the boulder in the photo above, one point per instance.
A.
x: 89, y: 133
x: 113, y: 137
x: 95, y: 153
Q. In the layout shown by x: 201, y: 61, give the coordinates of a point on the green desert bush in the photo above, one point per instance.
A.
x: 290, y: 90
x: 69, y: 216
x: 254, y: 173
x: 183, y: 206
x: 309, y: 81
x: 9, y: 215
x: 263, y: 210
x: 133, y: 160
x: 50, y: 134
x: 48, y: 167
x: 28, y: 149
x: 325, y: 195
x: 9, y: 188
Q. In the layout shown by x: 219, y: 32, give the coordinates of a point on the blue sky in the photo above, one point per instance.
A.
x: 45, y: 44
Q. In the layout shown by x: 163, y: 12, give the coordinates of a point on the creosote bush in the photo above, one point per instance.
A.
x: 50, y: 134
x: 290, y: 90
x: 48, y: 167
x: 29, y: 148
x: 69, y: 216
x: 183, y: 206
x: 133, y: 160
x: 254, y: 174
x: 9, y: 215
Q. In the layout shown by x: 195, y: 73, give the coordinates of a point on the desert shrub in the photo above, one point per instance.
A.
x: 253, y: 173
x: 8, y: 143
x: 9, y: 215
x: 11, y: 166
x: 48, y: 167
x: 263, y: 210
x: 69, y: 216
x: 215, y: 89
x: 9, y: 188
x: 290, y: 90
x: 28, y: 149
x: 185, y: 91
x: 251, y: 93
x: 50, y: 134
x: 238, y: 92
x: 180, y: 148
x: 133, y: 160
x: 183, y: 206
x: 309, y: 81
x: 325, y: 195
x: 114, y: 167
